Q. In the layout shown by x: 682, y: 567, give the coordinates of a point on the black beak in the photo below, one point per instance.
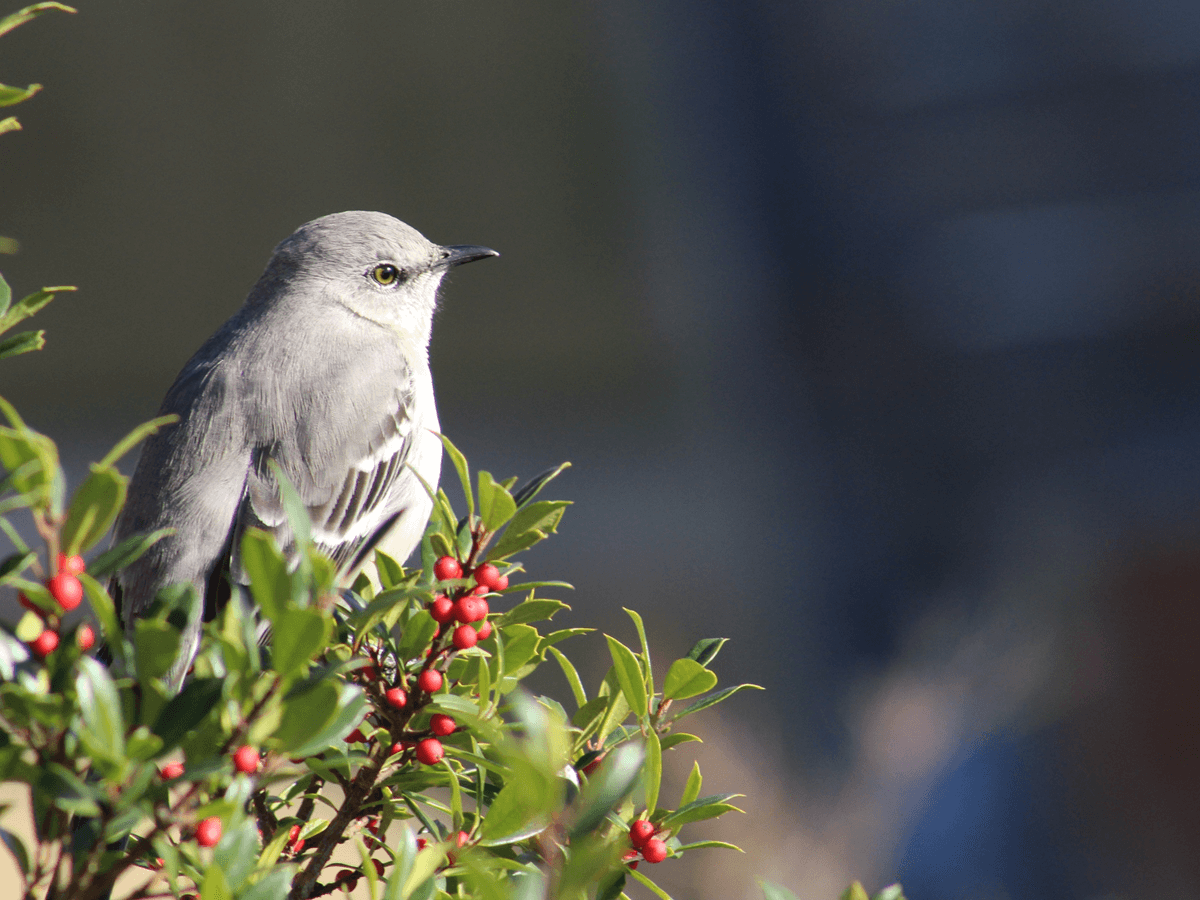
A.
x: 462, y: 253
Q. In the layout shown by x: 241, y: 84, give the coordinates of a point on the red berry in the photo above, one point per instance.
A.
x: 481, y: 590
x: 378, y: 867
x: 655, y: 850
x: 396, y: 698
x: 430, y: 681
x: 447, y: 567
x: 72, y: 565
x: 470, y: 609
x: 356, y: 737
x: 486, y: 575
x: 640, y: 832
x: 442, y: 609
x: 460, y: 839
x: 422, y: 843
x: 429, y: 751
x: 485, y: 630
x: 45, y: 643
x: 66, y: 589
x: 465, y: 637
x: 370, y: 673
x: 245, y: 760
x: 85, y: 637
x: 208, y: 832
x: 171, y: 770
x: 373, y: 825
x: 441, y: 725
x: 501, y: 582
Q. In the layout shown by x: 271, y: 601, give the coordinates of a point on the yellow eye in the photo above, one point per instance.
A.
x: 386, y: 274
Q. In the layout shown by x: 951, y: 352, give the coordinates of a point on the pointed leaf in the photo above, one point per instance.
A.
x: 629, y: 675
x: 706, y: 650
x: 464, y: 472
x: 21, y: 16
x: 23, y: 342
x: 692, y: 789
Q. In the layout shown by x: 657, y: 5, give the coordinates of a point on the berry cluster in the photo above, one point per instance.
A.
x: 66, y: 590
x: 646, y: 845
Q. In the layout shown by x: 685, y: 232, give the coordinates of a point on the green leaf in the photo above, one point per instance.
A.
x: 351, y: 707
x: 773, y: 891
x: 706, y: 651
x: 391, y: 573
x: 571, y: 675
x: 531, y: 524
x: 464, y: 473
x: 533, y: 610
x: 855, y: 892
x: 271, y: 886
x: 270, y: 581
x: 215, y: 886
x: 19, y: 447
x: 511, y: 817
x: 530, y: 490
x: 697, y: 810
x: 629, y: 675
x: 21, y: 16
x: 103, y: 728
x: 9, y: 124
x: 675, y: 738
x: 125, y: 553
x: 16, y: 564
x: 496, y: 505
x: 296, y: 638
x: 16, y: 848
x: 186, y: 710
x: 297, y: 514
x: 156, y: 645
x: 687, y: 678
x: 10, y: 96
x: 93, y: 509
x: 236, y: 852
x: 712, y: 700
x: 891, y: 892
x: 22, y: 342
x: 5, y: 295
x: 647, y: 883
x: 607, y: 787
x: 106, y: 615
x: 135, y: 437
x: 691, y: 790
x: 652, y: 770
x: 644, y: 659
x: 418, y: 633
x: 28, y: 306
x: 520, y: 646
x: 701, y: 845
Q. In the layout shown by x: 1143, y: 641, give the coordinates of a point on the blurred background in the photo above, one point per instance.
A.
x: 869, y: 327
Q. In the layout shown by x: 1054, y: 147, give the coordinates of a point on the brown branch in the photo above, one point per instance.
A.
x: 356, y: 793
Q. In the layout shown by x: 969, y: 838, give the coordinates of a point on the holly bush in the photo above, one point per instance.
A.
x: 328, y: 737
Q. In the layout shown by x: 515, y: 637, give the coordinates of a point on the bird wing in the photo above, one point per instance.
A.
x: 348, y: 501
